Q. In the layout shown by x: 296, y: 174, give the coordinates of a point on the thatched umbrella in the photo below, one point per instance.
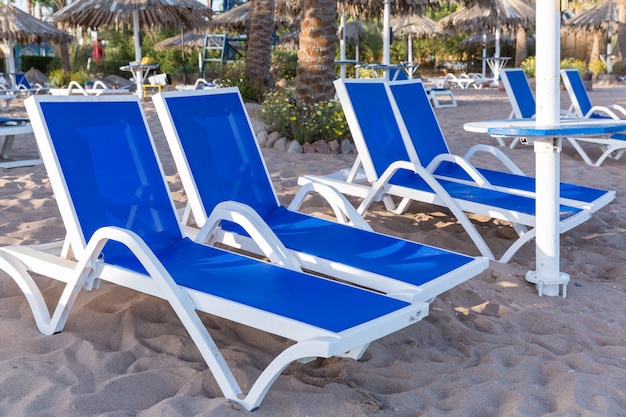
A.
x: 136, y: 14
x: 601, y: 18
x: 500, y: 14
x: 18, y: 26
x: 410, y: 25
x: 187, y: 40
x: 237, y: 18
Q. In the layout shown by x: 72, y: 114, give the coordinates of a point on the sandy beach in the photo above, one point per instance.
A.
x: 490, y: 346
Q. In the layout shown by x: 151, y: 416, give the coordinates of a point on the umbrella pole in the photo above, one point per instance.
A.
x: 10, y: 60
x: 342, y: 46
x: 139, y: 73
x: 387, y: 34
x: 547, y: 152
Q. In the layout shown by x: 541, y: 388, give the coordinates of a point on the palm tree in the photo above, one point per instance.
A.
x: 318, y: 42
x: 259, y: 51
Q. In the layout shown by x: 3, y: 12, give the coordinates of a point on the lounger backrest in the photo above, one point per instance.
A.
x: 420, y: 119
x: 372, y: 122
x: 219, y: 147
x: 576, y: 91
x: 519, y: 92
x: 20, y: 79
x: 108, y: 173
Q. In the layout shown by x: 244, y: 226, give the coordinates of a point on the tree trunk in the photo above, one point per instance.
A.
x: 65, y: 58
x: 595, y: 47
x: 260, y: 32
x: 315, y: 71
x: 521, y: 46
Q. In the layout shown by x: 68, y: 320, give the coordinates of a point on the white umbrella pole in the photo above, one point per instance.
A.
x: 547, y: 151
x: 410, y: 55
x: 387, y: 33
x: 10, y: 60
x: 342, y: 46
x: 484, y: 55
x: 609, y: 64
x: 139, y: 73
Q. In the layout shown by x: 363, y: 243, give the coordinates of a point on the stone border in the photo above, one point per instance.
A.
x: 275, y: 140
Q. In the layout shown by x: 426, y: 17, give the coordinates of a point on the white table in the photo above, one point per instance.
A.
x: 386, y: 68
x: 140, y: 72
x: 8, y: 131
x: 547, y: 145
x: 496, y: 64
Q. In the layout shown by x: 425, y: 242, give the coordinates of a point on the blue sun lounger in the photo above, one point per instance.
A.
x: 390, y: 170
x: 122, y: 228
x: 522, y: 99
x: 613, y: 146
x: 432, y: 151
x: 220, y: 164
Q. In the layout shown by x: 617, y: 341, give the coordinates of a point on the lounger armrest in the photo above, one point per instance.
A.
x: 255, y: 226
x: 607, y: 110
x: 478, y: 178
x: 73, y: 85
x: 492, y: 150
x: 344, y: 211
x: 379, y: 187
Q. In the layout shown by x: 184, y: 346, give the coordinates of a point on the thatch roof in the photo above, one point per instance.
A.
x: 504, y: 13
x: 236, y: 19
x: 189, y: 40
x: 413, y: 24
x: 598, y: 18
x: 25, y: 28
x: 152, y: 13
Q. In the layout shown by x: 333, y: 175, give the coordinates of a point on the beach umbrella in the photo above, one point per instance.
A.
x: 186, y: 40
x: 136, y: 14
x: 499, y: 15
x: 237, y: 18
x: 411, y: 25
x: 18, y: 26
x: 602, y: 17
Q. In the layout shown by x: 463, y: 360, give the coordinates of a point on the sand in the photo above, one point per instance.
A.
x: 490, y: 347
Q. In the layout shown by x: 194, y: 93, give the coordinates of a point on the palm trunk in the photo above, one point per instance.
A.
x: 521, y: 46
x: 259, y: 52
x: 318, y: 42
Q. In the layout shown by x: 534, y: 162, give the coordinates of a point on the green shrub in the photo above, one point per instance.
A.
x: 42, y: 63
x: 597, y: 66
x: 284, y: 64
x: 304, y: 122
x: 529, y: 65
x: 619, y: 68
x: 573, y: 63
x: 232, y: 75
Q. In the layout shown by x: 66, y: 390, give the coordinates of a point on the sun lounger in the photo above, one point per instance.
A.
x: 219, y: 163
x: 432, y: 151
x: 522, y: 99
x: 383, y: 144
x: 610, y: 147
x: 122, y: 228
x: 99, y: 88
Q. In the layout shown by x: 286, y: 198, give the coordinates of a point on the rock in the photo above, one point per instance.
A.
x: 308, y: 148
x: 346, y: 146
x: 271, y: 139
x: 321, y: 146
x: 294, y: 147
x: 261, y: 138
x: 280, y: 144
x: 334, y: 146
